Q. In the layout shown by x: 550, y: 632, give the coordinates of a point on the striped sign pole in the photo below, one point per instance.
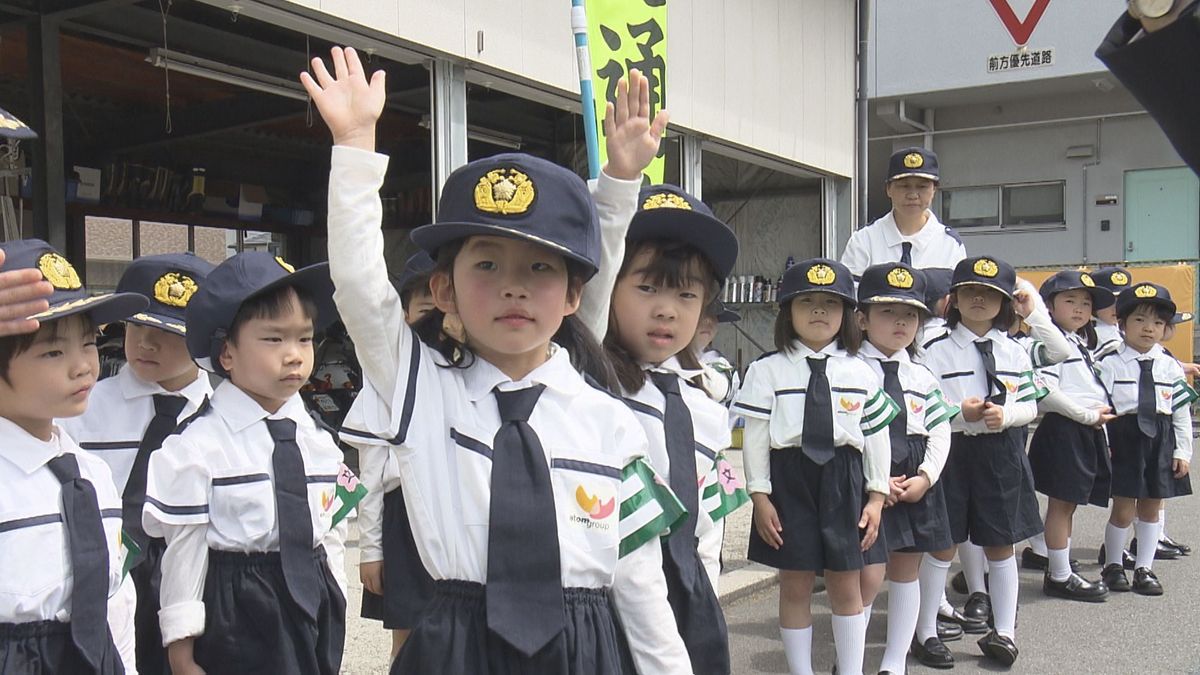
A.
x: 579, y: 26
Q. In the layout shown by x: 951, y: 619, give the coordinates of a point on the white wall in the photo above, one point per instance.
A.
x: 776, y: 76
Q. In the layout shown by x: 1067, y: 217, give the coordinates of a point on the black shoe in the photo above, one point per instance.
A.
x: 1145, y: 583
x: 998, y: 648
x: 1075, y: 587
x: 1031, y: 560
x: 948, y: 631
x: 1161, y: 552
x: 1183, y: 549
x: 966, y: 624
x: 978, y: 610
x: 933, y: 653
x: 1114, y: 578
x: 1127, y: 559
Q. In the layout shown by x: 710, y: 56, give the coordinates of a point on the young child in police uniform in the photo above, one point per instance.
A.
x: 817, y: 459
x: 132, y: 413
x: 1151, y: 438
x: 990, y: 377
x: 891, y: 300
x: 396, y: 585
x: 677, y: 255
x: 250, y: 495
x: 721, y: 379
x: 512, y: 464
x: 1108, y: 332
x: 910, y: 233
x: 60, y: 536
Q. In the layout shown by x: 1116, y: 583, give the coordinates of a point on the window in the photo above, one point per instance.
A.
x: 1035, y: 204
x: 971, y: 207
x: 1000, y: 206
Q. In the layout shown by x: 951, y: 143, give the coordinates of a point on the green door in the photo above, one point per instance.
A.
x: 1162, y: 215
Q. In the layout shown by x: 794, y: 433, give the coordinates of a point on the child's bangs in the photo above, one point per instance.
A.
x: 672, y: 265
x: 1151, y: 309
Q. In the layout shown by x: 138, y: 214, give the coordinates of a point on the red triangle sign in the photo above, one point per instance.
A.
x: 1020, y: 30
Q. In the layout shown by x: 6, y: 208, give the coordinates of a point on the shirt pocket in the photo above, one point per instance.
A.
x: 473, y: 475
x: 33, y: 553
x: 322, y: 502
x: 587, y: 495
x: 242, y: 504
x: 787, y: 417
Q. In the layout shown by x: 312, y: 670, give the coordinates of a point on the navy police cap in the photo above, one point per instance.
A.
x: 519, y: 196
x: 1144, y: 292
x: 418, y: 264
x: 11, y: 127
x: 892, y: 283
x: 68, y: 296
x: 985, y: 271
x: 1075, y: 280
x: 937, y: 285
x: 667, y: 212
x: 168, y: 281
x: 1115, y: 279
x: 722, y: 312
x: 817, y: 275
x: 913, y: 162
x: 211, y: 311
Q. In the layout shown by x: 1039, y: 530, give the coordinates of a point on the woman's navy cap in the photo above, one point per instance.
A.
x: 817, y: 275
x: 68, y: 296
x: 1075, y: 280
x: 211, y: 311
x: 11, y: 127
x: 168, y: 281
x: 892, y: 283
x: 1115, y: 279
x: 937, y: 284
x: 418, y: 264
x: 985, y: 271
x: 519, y: 196
x: 722, y: 312
x: 666, y: 212
x: 913, y: 162
x: 1144, y: 292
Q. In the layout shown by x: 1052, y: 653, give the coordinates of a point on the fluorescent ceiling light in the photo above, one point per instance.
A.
x: 222, y: 72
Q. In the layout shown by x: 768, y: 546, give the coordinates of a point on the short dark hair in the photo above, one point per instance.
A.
x: 272, y: 306
x: 13, y: 346
x: 418, y: 284
x: 1004, y: 318
x: 849, y: 336
x: 1153, y: 308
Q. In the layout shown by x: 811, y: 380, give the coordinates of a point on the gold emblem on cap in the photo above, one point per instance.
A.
x: 986, y: 267
x: 1119, y: 278
x: 666, y: 200
x: 914, y: 160
x: 59, y: 272
x: 821, y: 275
x: 1146, y: 291
x: 504, y: 191
x: 1086, y: 280
x: 900, y: 278
x: 284, y: 264
x: 174, y: 289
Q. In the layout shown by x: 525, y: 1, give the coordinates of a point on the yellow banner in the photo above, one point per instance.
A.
x: 622, y: 35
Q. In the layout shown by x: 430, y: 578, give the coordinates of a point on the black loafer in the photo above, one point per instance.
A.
x: 966, y: 624
x: 948, y: 631
x: 998, y: 648
x: 1145, y: 583
x: 978, y: 610
x: 1127, y: 559
x: 1183, y: 549
x: 1161, y: 551
x: 933, y: 653
x: 1114, y: 578
x: 1075, y: 587
x: 1035, y: 561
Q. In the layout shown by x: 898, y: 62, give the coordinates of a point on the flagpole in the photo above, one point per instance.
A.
x: 579, y: 26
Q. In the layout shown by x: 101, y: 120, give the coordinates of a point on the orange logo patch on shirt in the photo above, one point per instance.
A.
x: 1165, y: 394
x: 915, y: 406
x: 326, y: 500
x: 1011, y: 387
x: 849, y: 406
x: 593, y: 506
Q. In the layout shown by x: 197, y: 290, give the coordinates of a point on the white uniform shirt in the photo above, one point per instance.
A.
x: 1075, y: 376
x: 119, y: 410
x: 774, y: 390
x: 928, y: 414
x: 438, y: 424
x: 1120, y: 371
x: 1108, y: 335
x: 35, y: 558
x: 956, y: 362
x: 212, y: 486
x: 936, y: 245
x: 711, y: 435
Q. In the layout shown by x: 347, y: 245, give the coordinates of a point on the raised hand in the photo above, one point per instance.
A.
x: 22, y: 293
x: 632, y: 137
x: 348, y: 103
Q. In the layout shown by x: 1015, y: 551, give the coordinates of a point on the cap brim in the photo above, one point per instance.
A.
x: 433, y: 237
x: 170, y: 324
x: 1101, y: 298
x: 104, y: 308
x: 914, y: 174
x: 710, y: 236
x: 895, y: 300
x: 1007, y: 293
x: 852, y: 300
x: 1181, y: 317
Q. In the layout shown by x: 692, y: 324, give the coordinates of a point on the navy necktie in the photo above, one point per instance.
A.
x: 165, y: 420
x: 681, y: 448
x: 293, y: 514
x: 1147, y: 409
x: 989, y: 372
x: 906, y: 252
x: 523, y: 594
x: 816, y: 440
x: 89, y: 559
x: 898, y: 429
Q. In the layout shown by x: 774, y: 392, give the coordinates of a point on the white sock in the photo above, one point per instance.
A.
x: 944, y: 605
x: 1060, y: 563
x: 1004, y: 584
x: 850, y: 642
x: 1162, y: 522
x: 1147, y: 536
x: 1114, y: 543
x: 904, y: 603
x: 797, y: 646
x: 973, y: 562
x: 933, y: 594
x: 1038, y: 543
x: 867, y: 616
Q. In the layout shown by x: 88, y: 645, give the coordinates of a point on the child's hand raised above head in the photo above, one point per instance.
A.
x: 349, y: 104
x: 632, y: 137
